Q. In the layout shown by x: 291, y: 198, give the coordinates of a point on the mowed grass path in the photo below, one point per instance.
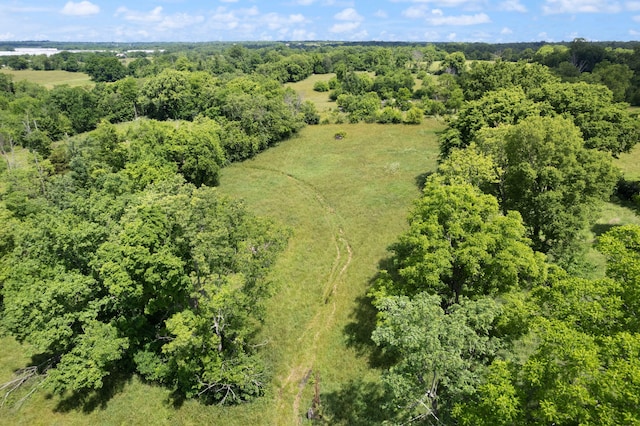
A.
x: 345, y: 201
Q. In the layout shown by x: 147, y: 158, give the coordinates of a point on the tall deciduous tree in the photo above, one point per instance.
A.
x: 441, y: 354
x: 550, y: 178
x: 459, y: 245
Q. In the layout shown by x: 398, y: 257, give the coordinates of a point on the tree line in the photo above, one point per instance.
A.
x: 486, y: 313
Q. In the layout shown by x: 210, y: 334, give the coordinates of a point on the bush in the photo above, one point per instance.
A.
x: 388, y: 115
x: 321, y: 86
x: 310, y: 113
x: 413, y: 116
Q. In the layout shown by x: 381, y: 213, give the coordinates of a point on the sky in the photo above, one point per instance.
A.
x: 499, y: 21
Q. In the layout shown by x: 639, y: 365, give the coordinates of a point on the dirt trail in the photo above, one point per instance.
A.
x: 302, y: 368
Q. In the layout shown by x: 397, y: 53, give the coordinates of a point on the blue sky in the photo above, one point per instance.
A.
x: 388, y: 20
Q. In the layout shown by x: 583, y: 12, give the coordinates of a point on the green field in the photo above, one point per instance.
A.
x: 345, y: 201
x: 49, y: 79
x: 305, y: 90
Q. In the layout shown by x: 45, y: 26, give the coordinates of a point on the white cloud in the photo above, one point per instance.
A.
x: 632, y: 5
x: 344, y: 27
x: 580, y: 6
x: 381, y: 14
x: 7, y: 36
x: 276, y: 22
x: 461, y: 20
x: 506, y: 30
x: 132, y: 15
x: 415, y: 12
x: 228, y: 1
x: 431, y: 35
x: 349, y: 14
x: 251, y: 24
x: 444, y: 3
x: 361, y: 35
x: 352, y: 20
x: 634, y: 33
x: 452, y: 36
x: 82, y: 8
x: 179, y: 20
x: 636, y: 18
x: 160, y: 20
x: 513, y: 6
x: 302, y: 34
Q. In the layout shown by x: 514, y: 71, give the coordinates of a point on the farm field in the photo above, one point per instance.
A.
x: 49, y: 79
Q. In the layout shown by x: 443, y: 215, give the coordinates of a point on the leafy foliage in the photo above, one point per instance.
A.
x: 176, y: 263
x: 459, y: 245
x: 550, y: 178
x: 441, y: 353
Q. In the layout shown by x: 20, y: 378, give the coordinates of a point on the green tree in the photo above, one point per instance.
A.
x: 441, y: 353
x: 168, y: 283
x: 454, y: 63
x: 78, y: 104
x: 503, y: 106
x: 105, y: 68
x: 605, y: 125
x: 168, y: 96
x: 484, y: 77
x: 196, y: 149
x: 621, y: 246
x: 617, y: 77
x: 550, y: 178
x: 583, y: 368
x: 459, y: 246
x: 414, y: 116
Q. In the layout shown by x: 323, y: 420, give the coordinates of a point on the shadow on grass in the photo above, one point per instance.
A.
x: 91, y: 401
x: 363, y: 323
x: 358, y: 403
x: 602, y: 228
x: 421, y: 180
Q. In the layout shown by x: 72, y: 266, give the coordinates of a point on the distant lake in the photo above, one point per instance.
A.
x: 52, y: 51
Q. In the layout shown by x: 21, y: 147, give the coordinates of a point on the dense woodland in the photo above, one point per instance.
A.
x: 119, y: 257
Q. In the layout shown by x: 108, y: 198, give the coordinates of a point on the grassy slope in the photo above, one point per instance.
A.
x: 345, y: 202
x: 49, y: 79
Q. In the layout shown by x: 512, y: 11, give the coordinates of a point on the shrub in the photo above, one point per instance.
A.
x: 413, y: 116
x: 389, y: 115
x: 321, y: 86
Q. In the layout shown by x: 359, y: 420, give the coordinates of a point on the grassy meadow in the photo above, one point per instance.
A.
x: 304, y: 88
x: 344, y: 201
x: 49, y: 79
